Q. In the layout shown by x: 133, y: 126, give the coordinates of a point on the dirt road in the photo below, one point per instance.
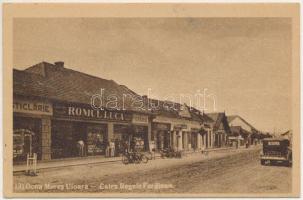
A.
x: 227, y: 172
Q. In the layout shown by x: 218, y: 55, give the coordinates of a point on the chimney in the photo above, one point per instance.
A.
x: 59, y: 64
x: 145, y: 101
x: 144, y: 97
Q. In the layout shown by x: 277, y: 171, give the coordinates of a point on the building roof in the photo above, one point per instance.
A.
x: 56, y: 82
x: 215, y: 119
x: 173, y: 109
x: 230, y: 118
x: 60, y: 83
x: 289, y: 132
x: 238, y: 130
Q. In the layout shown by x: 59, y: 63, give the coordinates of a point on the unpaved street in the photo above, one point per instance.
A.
x: 225, y: 172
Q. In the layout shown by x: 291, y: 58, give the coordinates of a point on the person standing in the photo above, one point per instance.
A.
x: 125, y: 147
x: 80, y: 145
x: 112, y: 148
x: 107, y: 148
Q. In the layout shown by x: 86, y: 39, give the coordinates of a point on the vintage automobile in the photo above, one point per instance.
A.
x: 276, y: 150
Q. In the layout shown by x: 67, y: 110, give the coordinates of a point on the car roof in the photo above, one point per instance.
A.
x: 275, y: 139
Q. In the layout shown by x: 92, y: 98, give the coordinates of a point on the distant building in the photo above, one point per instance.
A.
x: 178, y: 128
x: 242, y: 128
x: 219, y: 128
x: 239, y: 136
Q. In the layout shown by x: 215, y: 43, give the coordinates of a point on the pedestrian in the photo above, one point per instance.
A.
x: 112, y: 148
x: 107, y: 148
x: 117, y: 147
x: 125, y: 147
x: 80, y: 146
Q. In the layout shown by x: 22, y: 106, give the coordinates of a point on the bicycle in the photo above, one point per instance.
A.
x: 134, y: 157
x: 170, y: 153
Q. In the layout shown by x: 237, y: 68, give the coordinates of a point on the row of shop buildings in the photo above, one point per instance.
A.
x: 52, y: 105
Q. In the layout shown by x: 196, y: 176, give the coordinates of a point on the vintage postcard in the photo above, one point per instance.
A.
x: 151, y: 100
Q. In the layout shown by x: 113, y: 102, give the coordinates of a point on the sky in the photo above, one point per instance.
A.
x: 243, y: 64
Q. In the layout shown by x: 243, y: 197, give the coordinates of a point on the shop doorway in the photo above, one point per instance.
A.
x: 96, y: 139
x: 63, y: 143
x: 139, y: 138
x: 183, y: 140
x: 21, y: 141
x: 194, y: 140
x: 163, y: 140
x: 122, y: 138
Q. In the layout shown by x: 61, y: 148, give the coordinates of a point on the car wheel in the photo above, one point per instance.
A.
x: 262, y: 162
x: 288, y: 163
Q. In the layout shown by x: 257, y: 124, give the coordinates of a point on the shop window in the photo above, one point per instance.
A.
x: 96, y: 140
x: 67, y: 135
x: 194, y: 140
x: 139, y: 139
x: 184, y: 140
x: 189, y: 138
x: 21, y: 143
x: 121, y: 138
x: 63, y: 143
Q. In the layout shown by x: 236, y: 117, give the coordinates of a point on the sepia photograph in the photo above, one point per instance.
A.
x: 142, y: 100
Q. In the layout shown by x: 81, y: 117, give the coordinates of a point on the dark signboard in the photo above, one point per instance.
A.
x: 195, y: 130
x: 161, y: 126
x: 76, y: 111
x: 180, y: 126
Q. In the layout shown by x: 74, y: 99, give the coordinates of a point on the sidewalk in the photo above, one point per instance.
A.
x: 61, y: 163
x: 67, y: 162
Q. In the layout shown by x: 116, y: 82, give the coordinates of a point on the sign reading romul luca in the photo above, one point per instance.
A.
x: 81, y: 111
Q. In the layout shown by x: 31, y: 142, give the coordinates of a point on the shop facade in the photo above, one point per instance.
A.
x: 207, y: 136
x: 161, y: 135
x: 56, y: 122
x: 31, y: 128
x: 58, y: 128
x: 217, y: 128
x: 63, y: 130
x: 103, y: 132
x: 176, y: 133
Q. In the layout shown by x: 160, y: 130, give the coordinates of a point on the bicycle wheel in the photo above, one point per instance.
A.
x: 137, y: 159
x: 125, y: 160
x: 179, y: 154
x: 144, y: 159
x: 162, y: 154
x: 149, y: 155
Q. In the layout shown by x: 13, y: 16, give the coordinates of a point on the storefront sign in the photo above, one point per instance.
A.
x: 139, y: 129
x: 195, y: 129
x: 180, y: 126
x: 140, y: 119
x: 32, y: 107
x: 89, y: 113
x: 161, y: 126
